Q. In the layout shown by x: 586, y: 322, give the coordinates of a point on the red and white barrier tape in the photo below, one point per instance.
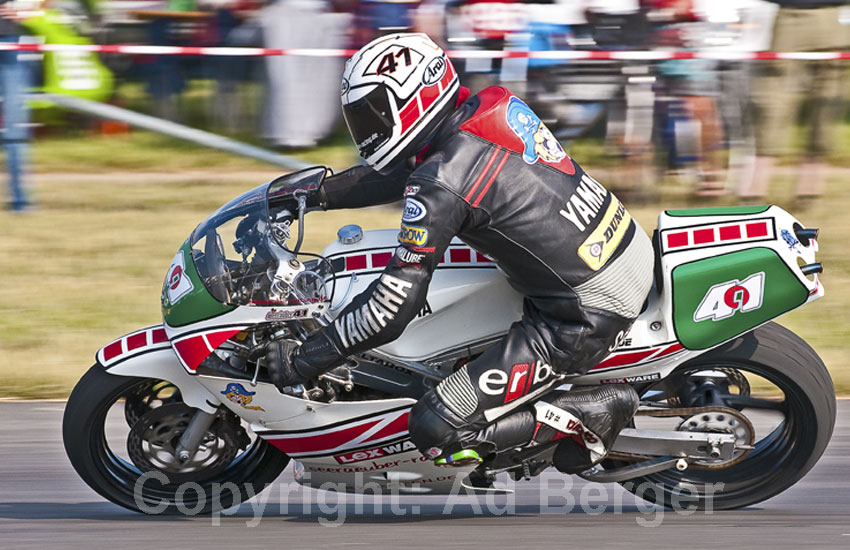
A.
x: 636, y: 55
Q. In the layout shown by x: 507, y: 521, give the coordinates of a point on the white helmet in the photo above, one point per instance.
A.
x: 396, y: 90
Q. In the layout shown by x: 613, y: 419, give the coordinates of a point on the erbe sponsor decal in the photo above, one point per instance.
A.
x: 377, y: 452
x: 178, y: 283
x: 632, y: 379
x: 724, y: 299
x: 411, y: 234
x: 518, y: 382
x: 413, y: 210
x: 287, y: 314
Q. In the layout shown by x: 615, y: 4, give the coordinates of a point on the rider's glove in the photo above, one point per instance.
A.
x: 290, y: 364
x: 280, y: 355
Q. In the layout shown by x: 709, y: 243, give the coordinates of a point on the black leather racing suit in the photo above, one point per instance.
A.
x: 495, y: 177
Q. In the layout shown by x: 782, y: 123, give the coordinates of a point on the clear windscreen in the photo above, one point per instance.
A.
x: 240, y: 250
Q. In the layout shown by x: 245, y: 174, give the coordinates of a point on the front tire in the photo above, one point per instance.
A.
x: 100, y: 466
x: 782, y: 457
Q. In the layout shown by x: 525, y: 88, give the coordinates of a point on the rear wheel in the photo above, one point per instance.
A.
x: 120, y: 433
x: 775, y: 379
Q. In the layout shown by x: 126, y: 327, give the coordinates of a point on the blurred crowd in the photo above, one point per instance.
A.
x: 718, y: 125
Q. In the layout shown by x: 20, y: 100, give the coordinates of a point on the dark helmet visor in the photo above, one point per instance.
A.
x: 370, y: 121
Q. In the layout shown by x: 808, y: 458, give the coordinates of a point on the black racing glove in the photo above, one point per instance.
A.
x: 290, y: 364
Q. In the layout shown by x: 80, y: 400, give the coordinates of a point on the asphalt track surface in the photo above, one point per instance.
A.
x: 44, y: 505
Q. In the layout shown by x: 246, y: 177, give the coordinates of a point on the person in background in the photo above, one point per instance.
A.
x: 781, y: 86
x: 14, y: 84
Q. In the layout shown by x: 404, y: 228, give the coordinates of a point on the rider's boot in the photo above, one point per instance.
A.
x: 587, y: 421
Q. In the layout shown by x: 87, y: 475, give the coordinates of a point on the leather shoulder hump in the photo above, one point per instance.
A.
x: 504, y: 119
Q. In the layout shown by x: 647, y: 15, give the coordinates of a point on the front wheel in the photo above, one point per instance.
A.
x: 119, y: 433
x: 775, y: 379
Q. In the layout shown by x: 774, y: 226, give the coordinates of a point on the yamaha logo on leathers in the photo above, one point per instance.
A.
x: 518, y: 382
x: 373, y: 316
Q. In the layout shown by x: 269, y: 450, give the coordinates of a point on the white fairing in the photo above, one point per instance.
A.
x: 469, y: 301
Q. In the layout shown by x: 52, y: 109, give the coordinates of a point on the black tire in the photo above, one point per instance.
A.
x: 781, y: 458
x: 83, y: 432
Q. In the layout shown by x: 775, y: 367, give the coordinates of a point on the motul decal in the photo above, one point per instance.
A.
x: 377, y: 452
x: 723, y: 300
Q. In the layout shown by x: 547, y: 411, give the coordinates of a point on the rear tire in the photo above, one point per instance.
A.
x: 87, y: 447
x: 781, y: 458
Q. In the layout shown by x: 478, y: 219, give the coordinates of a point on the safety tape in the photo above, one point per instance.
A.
x: 634, y: 55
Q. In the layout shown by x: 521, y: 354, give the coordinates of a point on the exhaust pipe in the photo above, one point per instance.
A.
x: 805, y: 234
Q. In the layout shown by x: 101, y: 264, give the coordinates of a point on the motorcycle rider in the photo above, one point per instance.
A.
x: 487, y: 170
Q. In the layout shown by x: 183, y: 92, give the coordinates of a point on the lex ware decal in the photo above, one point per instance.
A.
x: 177, y: 283
x: 411, y: 234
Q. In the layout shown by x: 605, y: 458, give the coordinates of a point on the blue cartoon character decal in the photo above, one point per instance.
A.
x: 239, y: 395
x: 538, y: 140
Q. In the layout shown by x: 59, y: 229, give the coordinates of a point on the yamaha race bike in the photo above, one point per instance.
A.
x: 728, y: 398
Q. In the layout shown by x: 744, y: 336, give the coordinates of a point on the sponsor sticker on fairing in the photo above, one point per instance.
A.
x: 411, y: 234
x: 413, y: 210
x: 723, y: 300
x: 377, y: 452
x: 178, y: 284
x: 286, y: 314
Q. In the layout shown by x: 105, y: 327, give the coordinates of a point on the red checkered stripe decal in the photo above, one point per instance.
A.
x: 369, y: 431
x: 414, y: 109
x: 632, y: 358
x: 132, y: 344
x: 719, y: 234
x: 454, y: 256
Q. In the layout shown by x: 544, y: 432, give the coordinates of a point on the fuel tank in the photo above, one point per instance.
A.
x: 469, y: 300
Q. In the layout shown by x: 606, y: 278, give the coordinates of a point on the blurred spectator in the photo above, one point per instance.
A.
x: 302, y: 104
x: 15, y: 83
x: 781, y: 87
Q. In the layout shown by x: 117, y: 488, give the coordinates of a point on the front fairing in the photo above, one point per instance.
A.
x: 238, y: 257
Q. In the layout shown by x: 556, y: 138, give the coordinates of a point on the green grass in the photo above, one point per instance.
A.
x: 87, y: 265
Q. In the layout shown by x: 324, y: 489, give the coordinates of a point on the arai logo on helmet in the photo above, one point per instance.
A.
x: 434, y: 71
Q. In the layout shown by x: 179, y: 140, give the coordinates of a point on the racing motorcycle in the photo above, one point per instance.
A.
x: 728, y: 397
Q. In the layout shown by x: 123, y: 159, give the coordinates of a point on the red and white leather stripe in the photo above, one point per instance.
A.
x: 193, y: 349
